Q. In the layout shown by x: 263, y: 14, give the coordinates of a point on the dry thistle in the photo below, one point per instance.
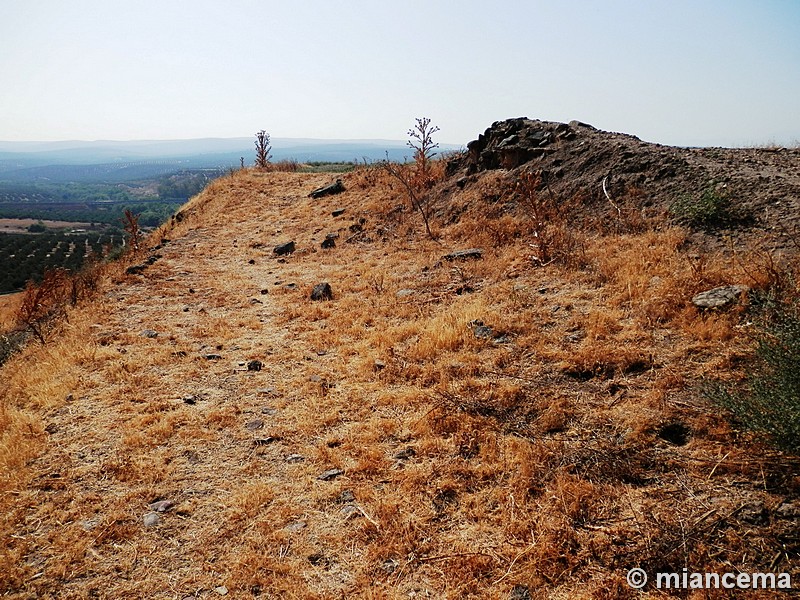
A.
x: 262, y: 150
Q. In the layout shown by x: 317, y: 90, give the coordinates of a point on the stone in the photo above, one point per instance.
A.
x: 346, y: 496
x: 328, y: 190
x: 389, y: 566
x: 254, y: 365
x: 221, y: 590
x: 322, y: 291
x: 135, y: 269
x: 161, y: 506
x: 754, y: 512
x: 719, y: 297
x: 266, y: 441
x: 296, y: 526
x: 350, y: 511
x: 520, y: 592
x: 788, y: 510
x: 404, y: 293
x: 212, y: 356
x: 330, y: 241
x: 254, y: 425
x: 482, y: 331
x: 405, y: 453
x: 338, y: 212
x: 151, y: 519
x: 149, y: 333
x: 295, y: 458
x: 283, y: 249
x: 469, y: 254
x: 330, y: 474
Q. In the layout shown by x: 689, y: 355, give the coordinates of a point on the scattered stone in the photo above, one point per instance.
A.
x: 161, y: 506
x: 322, y: 291
x: 151, y: 519
x: 405, y: 453
x: 788, y: 510
x: 350, y: 511
x: 266, y: 441
x: 191, y: 399
x: 296, y: 526
x: 315, y: 379
x: 330, y: 474
x: 283, y: 249
x: 719, y: 297
x: 346, y: 496
x: 469, y: 254
x: 51, y: 428
x: 271, y: 412
x: 295, y: 458
x: 212, y: 356
x: 520, y: 592
x: 135, y: 269
x: 379, y: 365
x: 254, y: 365
x: 754, y: 512
x: 267, y: 391
x: 290, y: 286
x: 404, y: 292
x: 252, y: 261
x: 149, y: 333
x: 330, y: 240
x: 481, y: 330
x: 338, y: 212
x: 221, y: 590
x: 328, y: 190
x: 254, y: 425
x: 264, y: 292
x: 255, y: 301
x: 389, y: 566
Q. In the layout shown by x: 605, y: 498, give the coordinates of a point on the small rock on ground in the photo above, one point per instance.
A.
x: 151, y: 519
x: 330, y: 474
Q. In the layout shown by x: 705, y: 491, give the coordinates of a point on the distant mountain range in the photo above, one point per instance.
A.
x: 119, y: 160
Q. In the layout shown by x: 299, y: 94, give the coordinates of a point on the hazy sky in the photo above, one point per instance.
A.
x: 684, y: 72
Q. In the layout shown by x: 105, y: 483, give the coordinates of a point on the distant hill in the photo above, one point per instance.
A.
x: 122, y: 160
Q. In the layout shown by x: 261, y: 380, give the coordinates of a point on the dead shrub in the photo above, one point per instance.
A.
x: 44, y: 304
x: 553, y: 239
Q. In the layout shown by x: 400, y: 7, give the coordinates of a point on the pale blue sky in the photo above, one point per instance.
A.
x: 683, y: 72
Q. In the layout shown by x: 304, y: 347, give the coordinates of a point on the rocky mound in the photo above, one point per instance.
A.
x: 763, y: 184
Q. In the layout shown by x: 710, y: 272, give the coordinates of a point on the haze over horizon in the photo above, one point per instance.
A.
x: 683, y: 73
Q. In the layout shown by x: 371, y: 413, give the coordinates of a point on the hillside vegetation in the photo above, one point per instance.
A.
x: 521, y: 420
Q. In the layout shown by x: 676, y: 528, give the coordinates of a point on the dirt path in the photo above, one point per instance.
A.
x: 180, y: 417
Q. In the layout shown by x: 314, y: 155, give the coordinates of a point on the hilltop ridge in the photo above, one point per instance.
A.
x: 518, y: 421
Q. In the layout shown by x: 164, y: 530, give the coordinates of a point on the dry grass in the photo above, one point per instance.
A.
x: 556, y: 448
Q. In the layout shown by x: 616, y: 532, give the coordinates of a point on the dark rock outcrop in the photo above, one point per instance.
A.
x: 284, y: 249
x: 328, y: 190
x: 322, y: 291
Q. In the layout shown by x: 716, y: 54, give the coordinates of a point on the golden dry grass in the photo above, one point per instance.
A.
x: 471, y: 463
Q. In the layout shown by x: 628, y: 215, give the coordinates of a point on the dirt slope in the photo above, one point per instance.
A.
x: 490, y: 428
